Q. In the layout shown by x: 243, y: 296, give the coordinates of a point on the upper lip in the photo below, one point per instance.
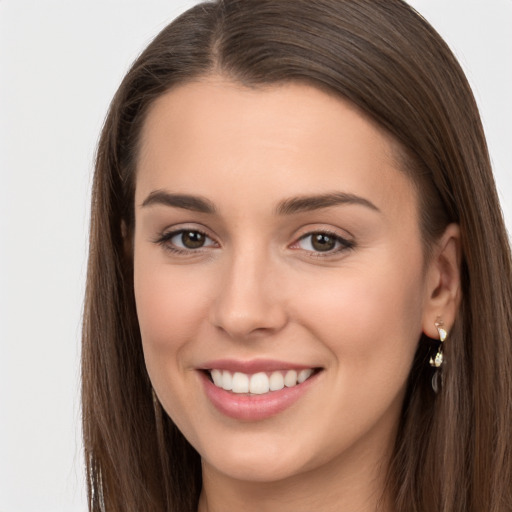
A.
x: 253, y: 366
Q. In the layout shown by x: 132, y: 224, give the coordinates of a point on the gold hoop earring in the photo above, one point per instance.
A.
x: 438, y: 360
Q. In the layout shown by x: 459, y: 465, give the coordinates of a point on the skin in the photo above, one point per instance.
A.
x: 259, y: 289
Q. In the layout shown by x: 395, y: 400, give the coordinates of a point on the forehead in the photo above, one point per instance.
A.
x: 286, y: 139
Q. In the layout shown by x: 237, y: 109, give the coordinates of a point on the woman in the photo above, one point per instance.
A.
x: 299, y: 286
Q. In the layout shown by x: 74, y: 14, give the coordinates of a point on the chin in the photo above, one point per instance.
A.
x: 259, y: 466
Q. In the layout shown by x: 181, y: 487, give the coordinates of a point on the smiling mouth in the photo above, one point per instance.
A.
x: 261, y: 382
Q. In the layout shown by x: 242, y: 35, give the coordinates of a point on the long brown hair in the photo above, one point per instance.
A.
x: 453, y: 451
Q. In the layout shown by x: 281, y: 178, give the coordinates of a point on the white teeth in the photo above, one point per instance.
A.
x: 258, y: 383
x: 290, y: 379
x: 240, y: 383
x: 227, y: 381
x: 304, y: 375
x: 276, y: 381
x: 217, y: 377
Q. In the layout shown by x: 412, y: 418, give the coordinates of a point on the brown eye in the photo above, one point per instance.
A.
x: 192, y: 239
x: 186, y: 240
x: 323, y: 242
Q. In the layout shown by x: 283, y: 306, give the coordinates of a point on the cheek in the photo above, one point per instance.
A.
x: 370, y: 321
x: 369, y: 316
x: 166, y: 308
x: 170, y: 303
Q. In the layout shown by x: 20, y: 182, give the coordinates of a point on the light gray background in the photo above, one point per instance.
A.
x: 60, y: 63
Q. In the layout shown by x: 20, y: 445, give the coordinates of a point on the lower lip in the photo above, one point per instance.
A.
x: 247, y: 407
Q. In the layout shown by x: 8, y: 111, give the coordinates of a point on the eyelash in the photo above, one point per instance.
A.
x: 343, y: 244
x: 165, y: 241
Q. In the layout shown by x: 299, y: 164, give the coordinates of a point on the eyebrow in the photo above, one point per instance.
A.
x: 185, y: 201
x: 287, y: 207
x: 317, y: 202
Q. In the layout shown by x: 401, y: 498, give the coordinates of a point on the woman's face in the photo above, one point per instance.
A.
x: 276, y: 240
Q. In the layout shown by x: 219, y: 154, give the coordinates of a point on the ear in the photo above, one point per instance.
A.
x: 443, y: 293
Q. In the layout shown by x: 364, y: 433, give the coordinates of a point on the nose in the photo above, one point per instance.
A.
x: 248, y: 302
